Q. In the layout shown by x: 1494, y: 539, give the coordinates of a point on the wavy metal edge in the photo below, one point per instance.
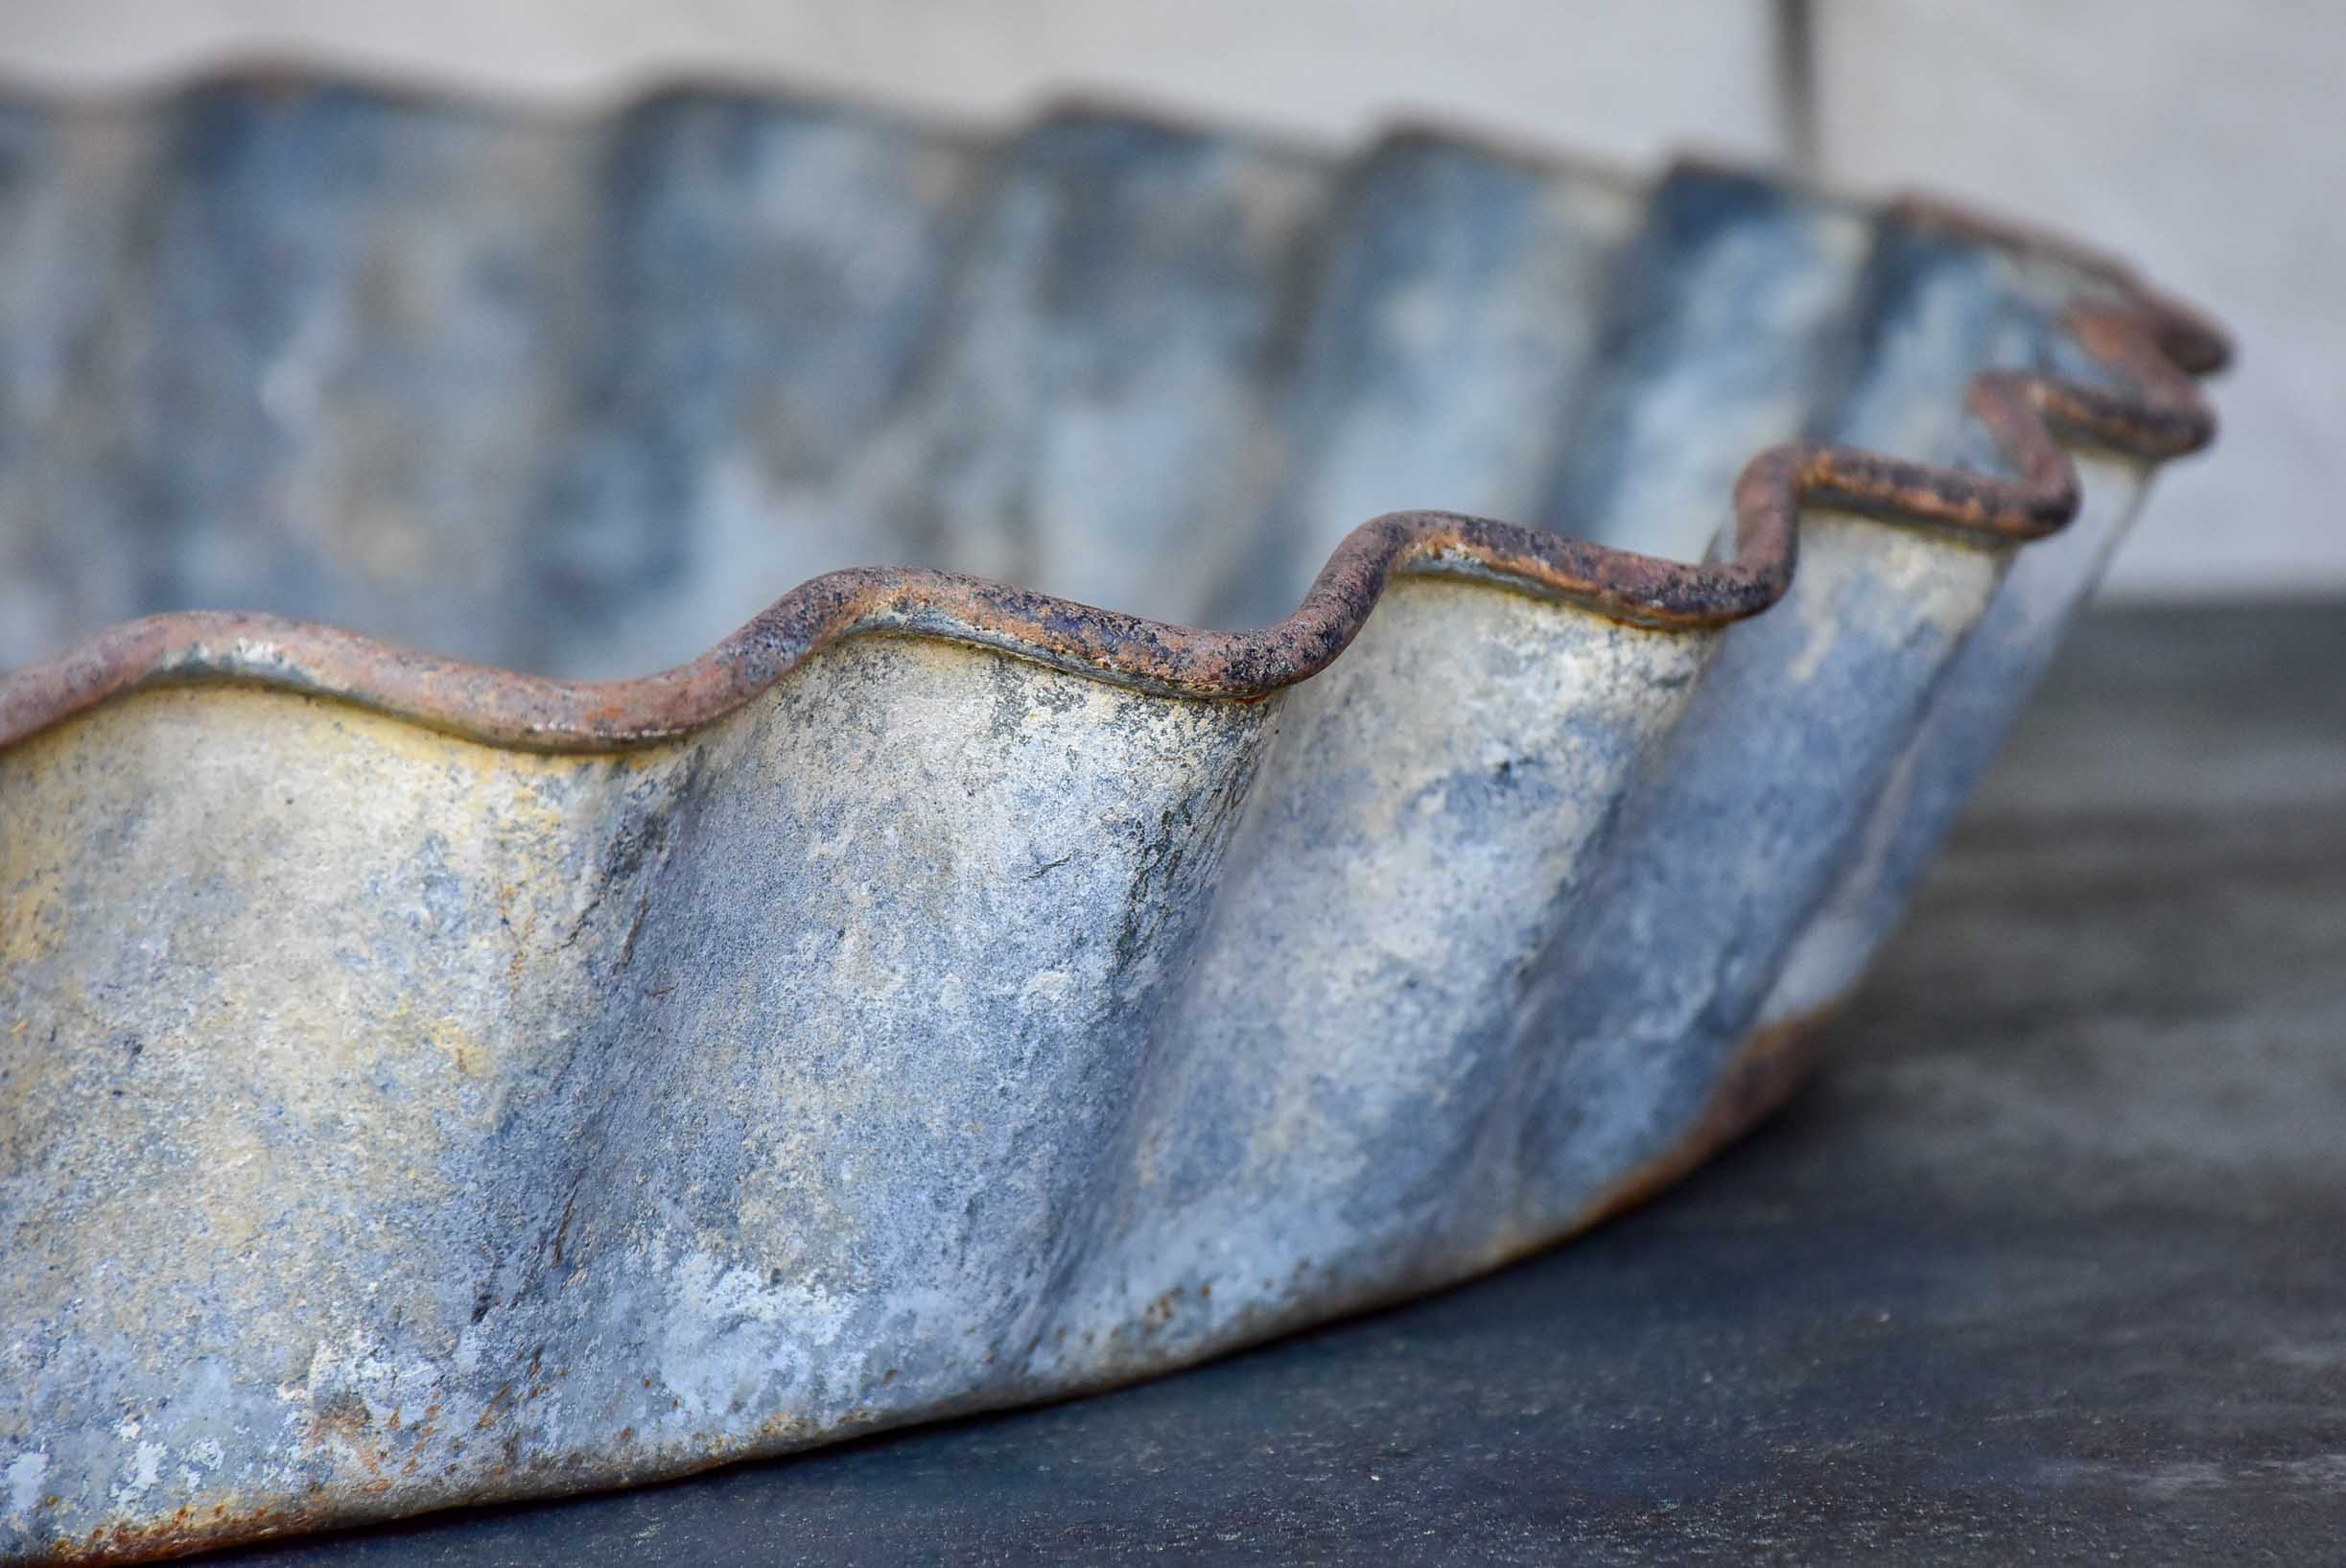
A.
x: 2152, y: 347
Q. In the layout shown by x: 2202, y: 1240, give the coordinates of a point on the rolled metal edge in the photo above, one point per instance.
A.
x: 2150, y: 346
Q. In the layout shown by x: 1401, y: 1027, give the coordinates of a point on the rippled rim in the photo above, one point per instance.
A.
x: 2151, y: 347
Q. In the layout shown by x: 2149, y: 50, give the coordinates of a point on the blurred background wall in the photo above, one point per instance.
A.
x: 2208, y: 141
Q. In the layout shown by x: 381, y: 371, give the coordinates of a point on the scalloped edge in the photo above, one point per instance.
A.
x: 2151, y: 346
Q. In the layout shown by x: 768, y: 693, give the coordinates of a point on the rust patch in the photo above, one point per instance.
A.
x: 182, y: 1533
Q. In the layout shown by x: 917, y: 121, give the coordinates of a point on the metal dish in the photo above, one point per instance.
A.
x: 423, y: 1083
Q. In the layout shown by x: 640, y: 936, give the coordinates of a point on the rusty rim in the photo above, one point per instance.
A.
x: 2150, y: 346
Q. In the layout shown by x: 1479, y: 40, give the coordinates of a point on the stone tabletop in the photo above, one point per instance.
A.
x: 2049, y: 1264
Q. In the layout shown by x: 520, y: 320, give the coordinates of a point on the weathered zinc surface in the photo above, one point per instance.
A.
x: 425, y: 1084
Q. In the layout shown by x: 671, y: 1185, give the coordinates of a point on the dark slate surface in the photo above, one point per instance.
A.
x: 2050, y: 1265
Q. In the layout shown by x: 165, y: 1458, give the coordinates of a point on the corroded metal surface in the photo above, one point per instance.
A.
x: 426, y: 1082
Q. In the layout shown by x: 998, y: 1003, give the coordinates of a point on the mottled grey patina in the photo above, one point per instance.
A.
x: 391, y: 1120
